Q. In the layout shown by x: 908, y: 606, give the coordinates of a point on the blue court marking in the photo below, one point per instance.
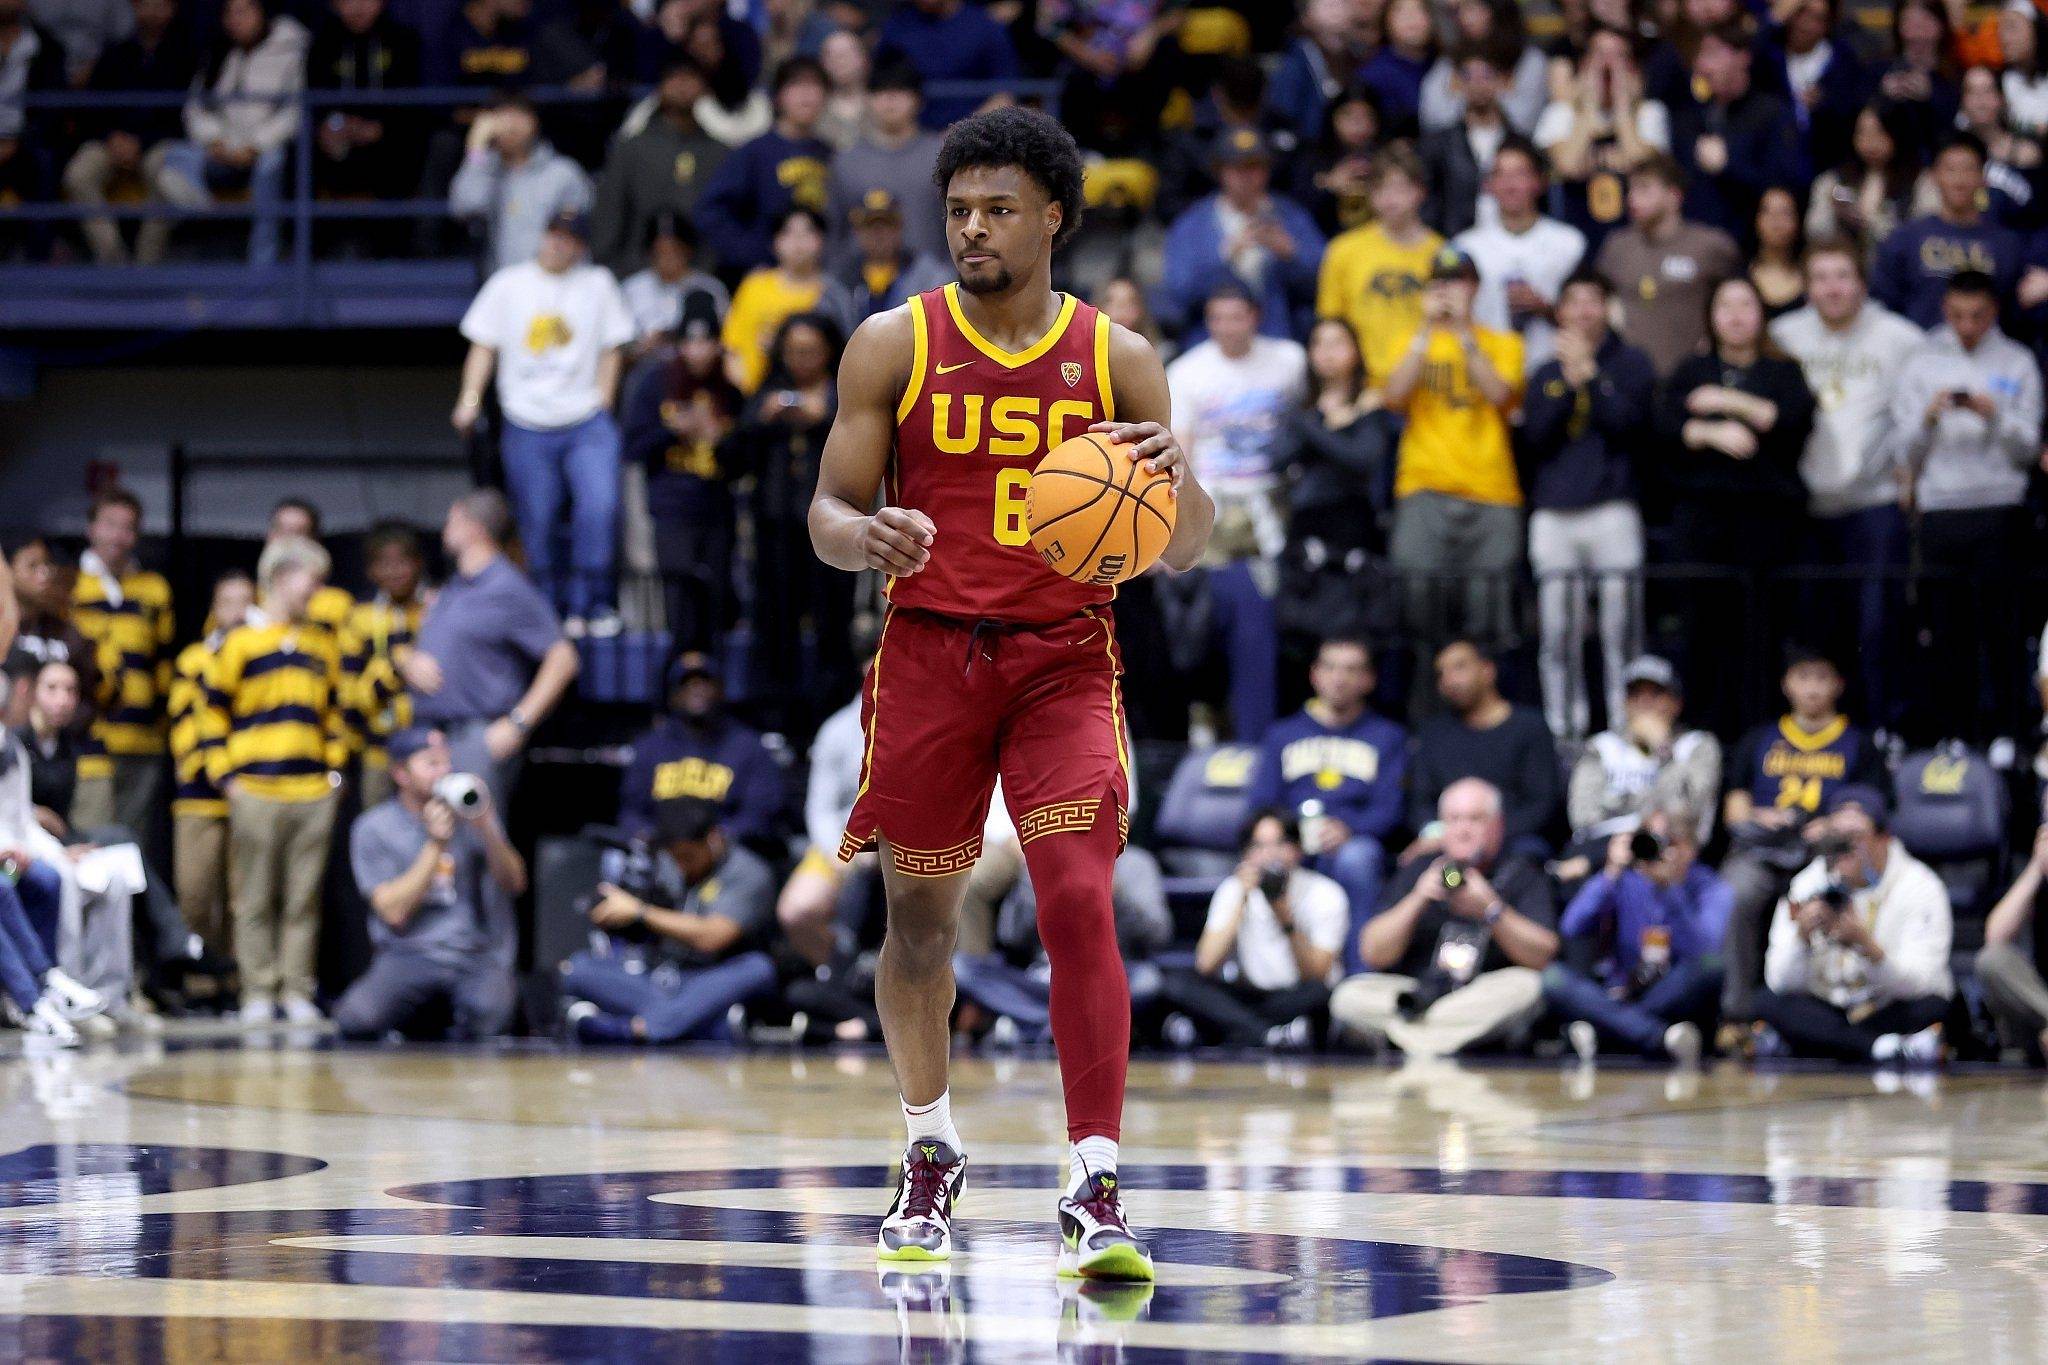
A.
x: 93, y: 1171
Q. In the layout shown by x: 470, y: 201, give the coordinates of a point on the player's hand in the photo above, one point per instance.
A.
x: 897, y: 540
x: 1152, y: 443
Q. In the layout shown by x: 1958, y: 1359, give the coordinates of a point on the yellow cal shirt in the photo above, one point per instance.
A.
x: 1376, y: 285
x: 1456, y: 442
x: 763, y: 302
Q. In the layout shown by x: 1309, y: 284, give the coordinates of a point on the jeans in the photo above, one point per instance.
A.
x: 188, y: 176
x: 1568, y: 550
x: 1873, y: 540
x: 1358, y: 865
x: 40, y: 893
x: 1000, y: 988
x: 1687, y: 992
x: 1814, y: 1028
x: 24, y: 960
x: 578, y: 464
x: 1248, y: 632
x: 672, y: 1003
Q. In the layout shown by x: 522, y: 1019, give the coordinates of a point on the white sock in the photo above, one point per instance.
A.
x: 1092, y: 1156
x: 934, y: 1120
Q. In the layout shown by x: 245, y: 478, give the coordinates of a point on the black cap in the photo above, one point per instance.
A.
x: 575, y: 222
x: 1235, y: 146
x: 685, y: 820
x: 1870, y: 800
x: 699, y: 319
x: 1450, y: 263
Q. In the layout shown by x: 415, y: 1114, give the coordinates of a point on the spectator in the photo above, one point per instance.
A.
x: 1234, y: 103
x: 1864, y: 197
x: 1662, y: 268
x: 895, y: 155
x: 747, y: 199
x: 1484, y: 735
x: 1269, y: 948
x: 1776, y: 265
x: 1403, y: 56
x: 487, y: 45
x: 1854, y: 353
x: 490, y: 662
x: 1124, y: 301
x: 883, y: 272
x: 514, y: 184
x: 1733, y: 141
x: 1317, y: 66
x: 844, y: 55
x: 1599, y: 132
x: 31, y: 61
x: 1816, y: 63
x: 824, y: 901
x: 658, y: 296
x: 421, y: 869
x: 1492, y: 26
x: 240, y: 120
x: 1455, y: 955
x: 1921, y: 77
x: 949, y: 40
x: 727, y: 50
x: 1967, y: 413
x: 1915, y: 263
x: 665, y: 975
x: 552, y: 327
x: 1337, y: 449
x: 2023, y: 43
x: 1586, y: 429
x: 1664, y: 917
x: 1858, y: 966
x: 294, y: 518
x: 1524, y: 258
x: 769, y: 297
x: 379, y: 633
x: 1119, y: 64
x: 1645, y: 757
x: 1231, y: 394
x: 1338, y: 770
x: 124, y: 610
x: 656, y: 174
x: 49, y: 1002
x: 133, y: 143
x: 1458, y: 157
x: 1244, y: 232
x: 43, y: 615
x: 199, y: 810
x: 84, y: 30
x: 374, y: 150
x: 2009, y: 965
x: 1333, y: 173
x: 275, y: 742
x: 795, y: 29
x: 50, y: 743
x: 1373, y: 276
x: 700, y: 752
x: 2015, y: 155
x: 679, y: 414
x: 1458, y: 502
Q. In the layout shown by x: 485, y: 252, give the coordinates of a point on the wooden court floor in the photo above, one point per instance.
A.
x: 208, y: 1199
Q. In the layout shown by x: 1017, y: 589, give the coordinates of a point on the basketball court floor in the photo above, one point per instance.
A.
x: 208, y: 1199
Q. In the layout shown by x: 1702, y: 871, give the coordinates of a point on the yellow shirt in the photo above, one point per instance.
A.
x: 274, y: 718
x: 132, y: 643
x: 763, y: 302
x: 196, y: 794
x: 1376, y: 286
x: 1456, y: 442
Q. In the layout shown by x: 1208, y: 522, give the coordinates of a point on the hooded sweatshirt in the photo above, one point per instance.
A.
x: 252, y: 100
x: 1965, y: 463
x: 1849, y: 457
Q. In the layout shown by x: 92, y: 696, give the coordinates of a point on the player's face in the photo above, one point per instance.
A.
x: 1342, y: 676
x: 231, y: 602
x: 999, y: 225
x: 56, y: 697
x: 1813, y: 690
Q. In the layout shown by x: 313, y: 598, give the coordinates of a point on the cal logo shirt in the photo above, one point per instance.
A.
x: 1784, y: 767
x: 1375, y: 284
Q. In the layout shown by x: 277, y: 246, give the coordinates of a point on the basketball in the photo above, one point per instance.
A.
x: 1096, y: 515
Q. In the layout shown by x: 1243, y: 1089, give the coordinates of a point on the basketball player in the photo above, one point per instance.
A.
x: 989, y: 662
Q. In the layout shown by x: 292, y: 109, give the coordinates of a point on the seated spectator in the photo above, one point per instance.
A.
x: 375, y: 150
x: 27, y: 140
x: 1269, y: 948
x: 45, y: 1001
x: 240, y: 120
x: 1496, y: 27
x: 1458, y: 500
x: 1663, y: 269
x: 1234, y: 103
x: 1777, y: 262
x: 1338, y: 770
x: 2023, y: 44
x: 662, y: 975
x: 1858, y: 964
x: 659, y: 295
x: 1643, y: 760
x: 1598, y: 133
x: 378, y: 634
x: 553, y: 328
x: 1247, y: 233
x: 728, y: 52
x: 276, y: 742
x: 949, y: 40
x: 747, y: 199
x: 1732, y: 140
x: 1336, y: 450
x: 1333, y: 171
x: 894, y: 154
x: 1864, y: 198
x: 769, y: 297
x: 1664, y: 918
x: 487, y: 45
x: 1914, y: 264
x: 1317, y: 66
x: 128, y: 146
x: 49, y: 739
x: 882, y: 272
x: 1374, y: 275
x: 44, y: 629
x: 1484, y: 735
x: 655, y: 175
x: 1458, y: 157
x: 699, y: 751
x: 824, y: 901
x: 513, y: 184
x: 1524, y: 258
x: 1817, y: 63
x: 2009, y: 965
x: 2015, y: 152
x: 421, y: 869
x: 1403, y: 53
x: 844, y: 55
x: 199, y: 810
x: 1455, y: 955
x: 1585, y: 431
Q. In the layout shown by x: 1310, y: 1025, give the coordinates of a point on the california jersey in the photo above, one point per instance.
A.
x: 1785, y: 767
x: 972, y: 424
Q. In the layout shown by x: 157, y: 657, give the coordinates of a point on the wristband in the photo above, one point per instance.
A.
x: 519, y: 722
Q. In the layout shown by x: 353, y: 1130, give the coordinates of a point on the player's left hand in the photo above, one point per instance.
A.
x: 1152, y: 443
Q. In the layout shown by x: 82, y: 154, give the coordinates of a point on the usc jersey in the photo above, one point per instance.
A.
x: 972, y: 424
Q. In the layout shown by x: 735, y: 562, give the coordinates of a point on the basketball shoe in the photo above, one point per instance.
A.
x: 919, y: 1224
x: 1095, y: 1241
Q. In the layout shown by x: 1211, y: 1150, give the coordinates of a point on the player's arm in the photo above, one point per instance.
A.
x: 1145, y: 415
x: 872, y: 376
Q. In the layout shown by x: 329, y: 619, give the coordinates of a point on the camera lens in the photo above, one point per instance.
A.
x: 1454, y: 876
x: 1645, y: 846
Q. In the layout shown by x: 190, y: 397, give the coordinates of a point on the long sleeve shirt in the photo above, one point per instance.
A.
x: 1518, y: 756
x: 517, y: 202
x: 1581, y: 442
x: 253, y: 101
x: 1693, y: 913
x: 753, y: 187
x: 1906, y: 910
x: 724, y: 762
x: 275, y: 722
x: 1964, y: 461
x: 1357, y: 770
x: 1915, y: 262
x: 127, y: 618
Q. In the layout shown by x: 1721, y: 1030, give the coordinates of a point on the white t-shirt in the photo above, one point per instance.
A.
x: 1228, y: 414
x: 1264, y: 955
x: 1543, y: 258
x: 549, y: 331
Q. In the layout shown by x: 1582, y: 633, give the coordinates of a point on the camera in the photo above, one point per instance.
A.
x: 1832, y: 846
x: 463, y: 794
x: 1959, y: 398
x: 1453, y: 875
x: 1835, y: 895
x: 1273, y: 884
x: 638, y: 876
x: 1647, y: 846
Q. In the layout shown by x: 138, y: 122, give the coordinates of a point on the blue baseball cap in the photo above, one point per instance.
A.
x: 409, y: 741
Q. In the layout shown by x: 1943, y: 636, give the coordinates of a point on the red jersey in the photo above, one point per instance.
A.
x: 972, y: 424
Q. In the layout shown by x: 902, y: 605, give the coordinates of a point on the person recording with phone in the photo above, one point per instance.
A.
x: 422, y: 859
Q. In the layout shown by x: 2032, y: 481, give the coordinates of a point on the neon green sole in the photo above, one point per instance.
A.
x: 1119, y: 1262
x: 913, y: 1254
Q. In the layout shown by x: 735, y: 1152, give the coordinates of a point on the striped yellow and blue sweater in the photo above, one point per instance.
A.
x: 275, y: 699
x: 196, y: 794
x: 377, y: 635
x: 131, y: 642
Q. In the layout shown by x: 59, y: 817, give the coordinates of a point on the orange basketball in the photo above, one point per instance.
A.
x: 1097, y: 515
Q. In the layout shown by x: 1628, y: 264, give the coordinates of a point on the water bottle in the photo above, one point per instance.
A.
x: 1312, y: 827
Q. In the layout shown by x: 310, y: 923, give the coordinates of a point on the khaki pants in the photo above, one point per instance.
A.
x: 277, y: 854
x: 200, y: 857
x: 992, y: 877
x: 2014, y: 990
x: 1493, y: 1005
x: 376, y: 785
x: 133, y: 798
x: 89, y: 177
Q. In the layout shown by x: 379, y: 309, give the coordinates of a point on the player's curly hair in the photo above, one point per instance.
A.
x: 1029, y: 139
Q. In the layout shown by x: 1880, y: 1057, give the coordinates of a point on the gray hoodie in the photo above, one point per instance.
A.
x: 1963, y: 462
x: 1849, y: 458
x: 517, y: 202
x: 254, y: 100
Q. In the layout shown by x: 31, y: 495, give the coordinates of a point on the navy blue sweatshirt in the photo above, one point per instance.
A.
x: 1915, y: 262
x: 753, y: 187
x: 724, y: 762
x: 1355, y: 770
x: 1580, y: 445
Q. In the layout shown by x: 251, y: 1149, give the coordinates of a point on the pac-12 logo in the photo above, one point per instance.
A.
x: 1070, y: 370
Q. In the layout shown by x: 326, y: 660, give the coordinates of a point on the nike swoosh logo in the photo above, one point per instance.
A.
x: 948, y: 369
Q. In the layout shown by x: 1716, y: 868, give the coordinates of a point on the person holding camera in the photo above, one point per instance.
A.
x: 1665, y: 913
x: 2009, y: 966
x: 656, y: 974
x: 1455, y: 955
x: 1646, y: 758
x: 1858, y: 962
x: 421, y: 859
x: 1268, y: 951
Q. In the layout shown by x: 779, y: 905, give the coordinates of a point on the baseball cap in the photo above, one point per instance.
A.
x: 1869, y: 799
x: 575, y: 222
x: 684, y: 819
x: 699, y: 320
x: 1648, y: 668
x: 409, y: 741
x: 1450, y: 263
x: 1240, y: 145
x: 877, y: 205
x: 691, y: 663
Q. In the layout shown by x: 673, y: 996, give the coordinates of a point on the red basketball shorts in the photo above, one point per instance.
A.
x: 948, y: 705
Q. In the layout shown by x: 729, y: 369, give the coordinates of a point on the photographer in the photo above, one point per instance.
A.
x: 1665, y: 915
x: 661, y: 975
x: 1858, y: 963
x: 2011, y: 960
x: 422, y: 868
x: 1455, y: 954
x: 1648, y: 757
x: 1269, y: 947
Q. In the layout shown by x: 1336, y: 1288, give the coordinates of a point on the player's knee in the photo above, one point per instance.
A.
x: 920, y: 947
